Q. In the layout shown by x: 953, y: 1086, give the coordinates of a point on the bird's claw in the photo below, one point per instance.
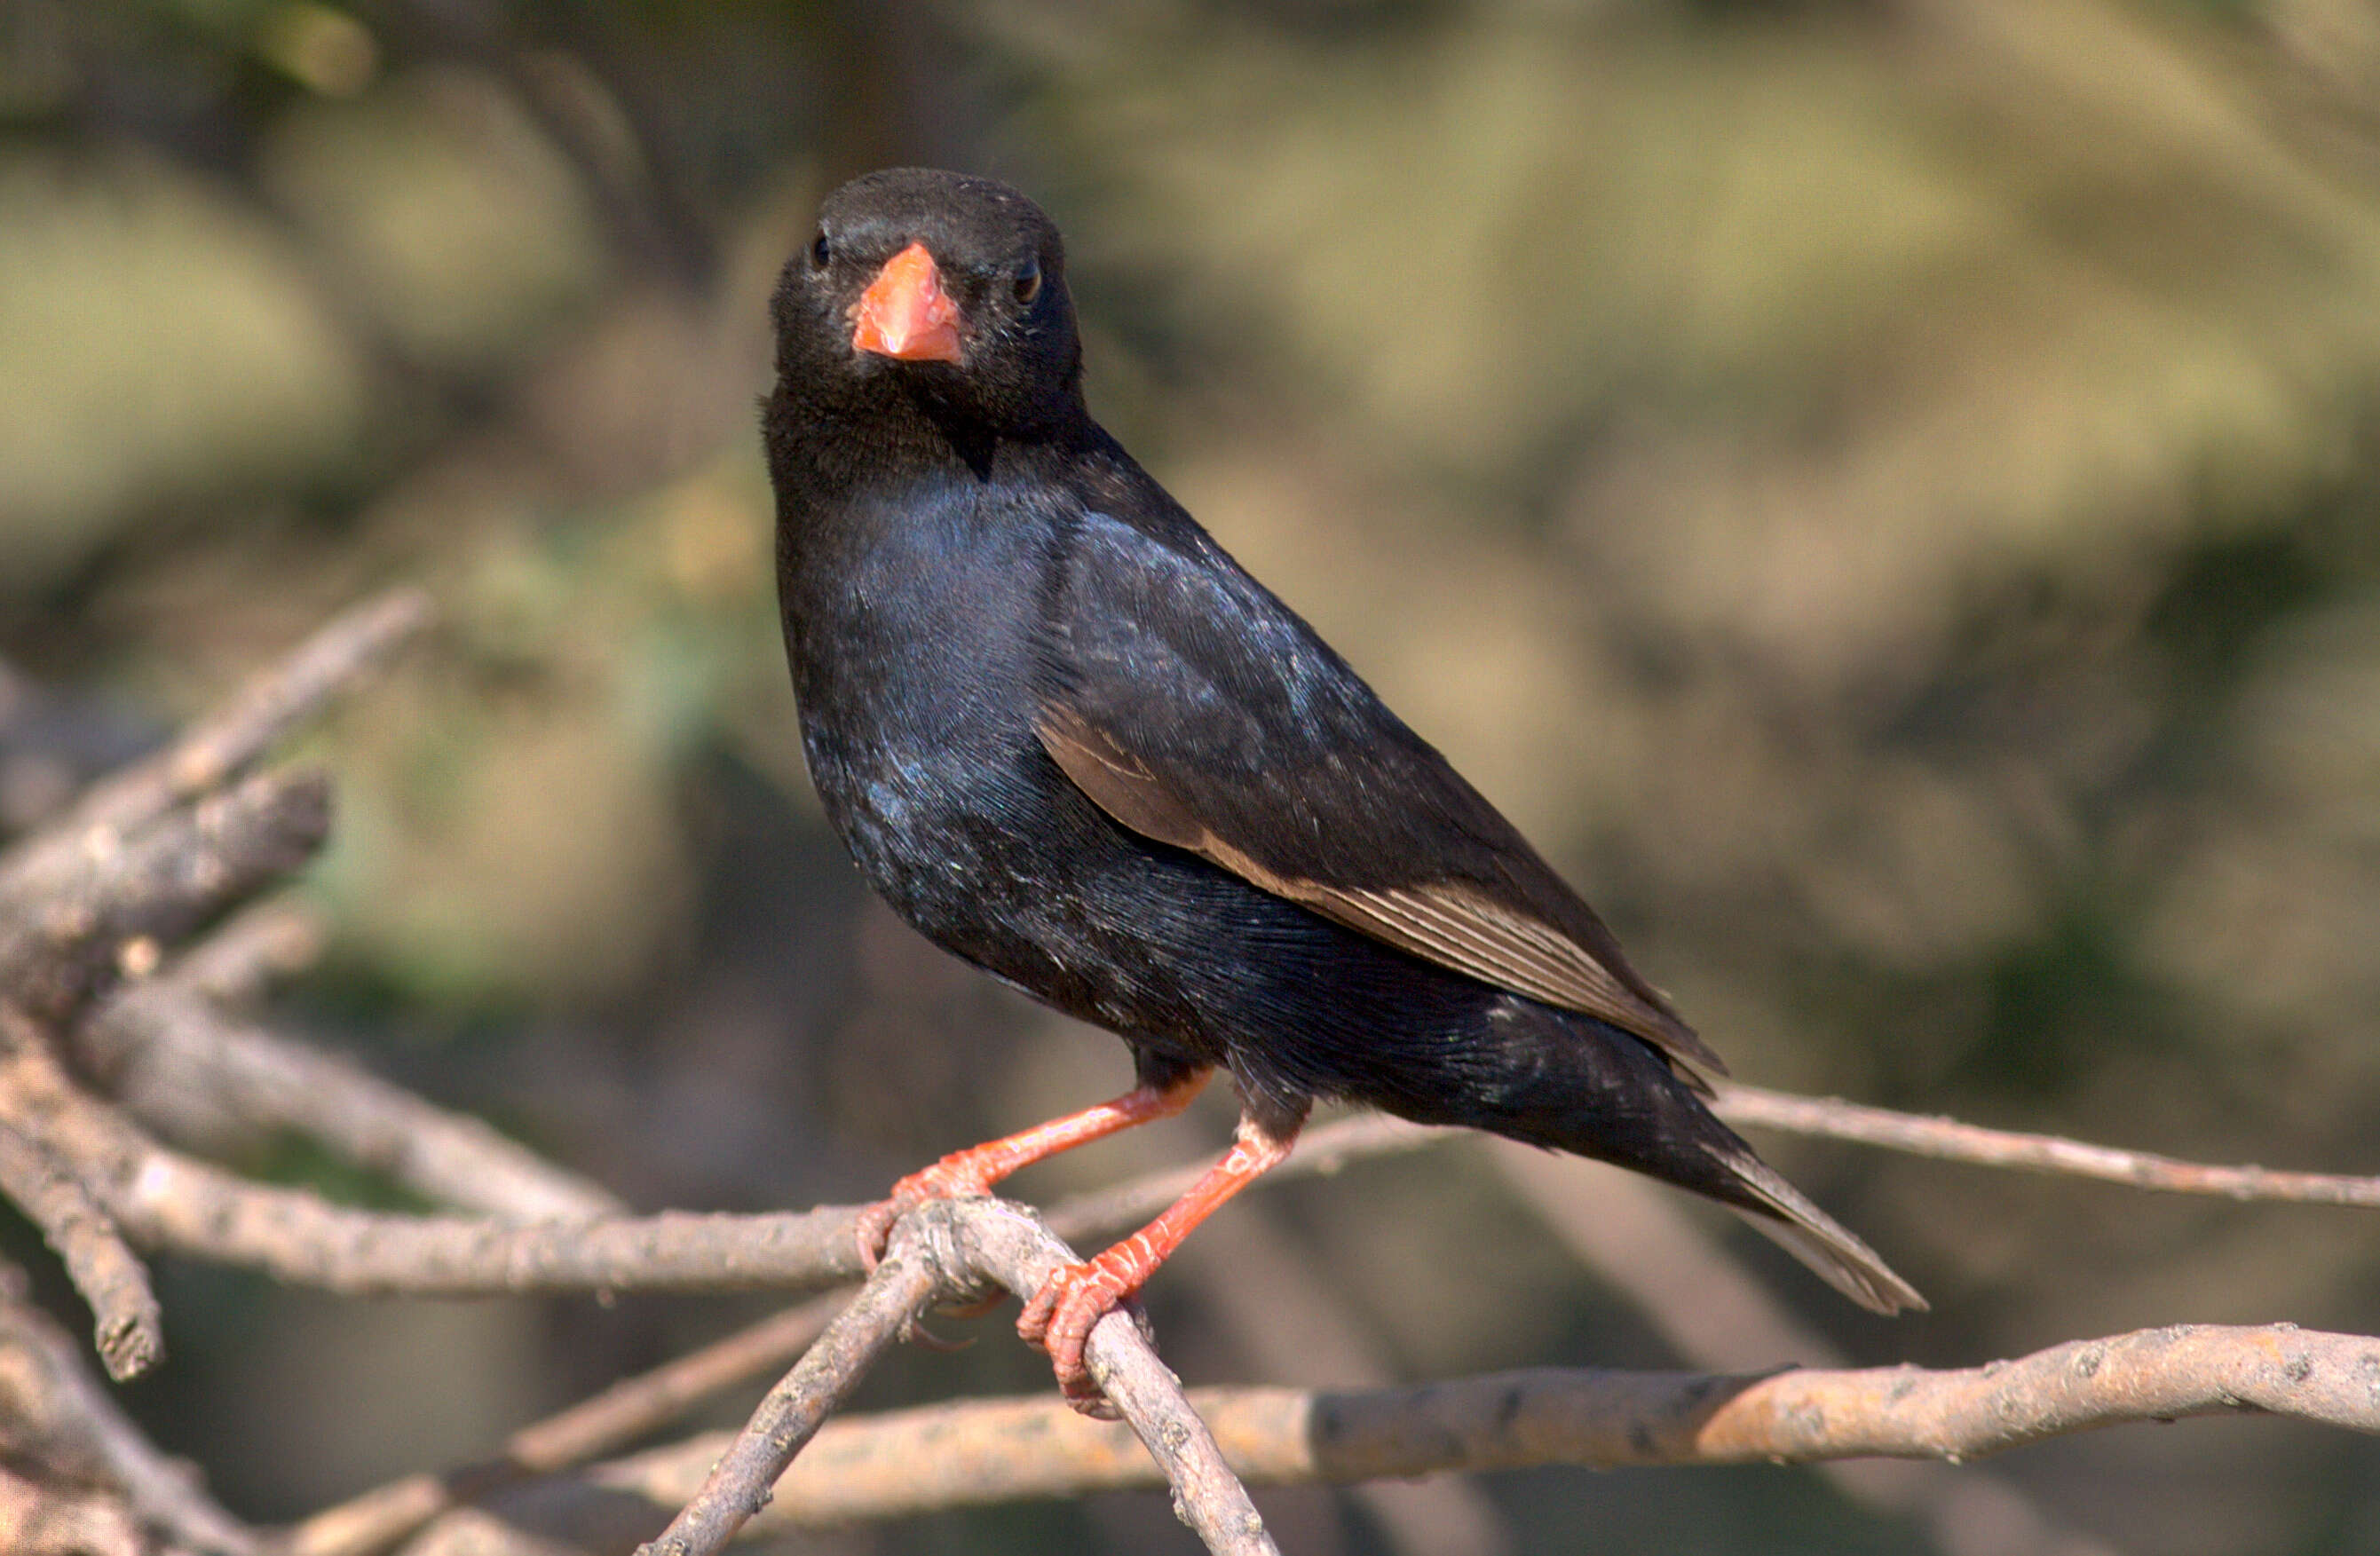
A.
x: 947, y: 1179
x: 874, y: 1230
x: 915, y: 1332
x: 1061, y: 1316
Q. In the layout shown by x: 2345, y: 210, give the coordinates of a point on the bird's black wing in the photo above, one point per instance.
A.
x: 1195, y: 709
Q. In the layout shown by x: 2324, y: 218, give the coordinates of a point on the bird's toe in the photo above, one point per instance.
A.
x: 954, y: 1177
x: 1061, y: 1316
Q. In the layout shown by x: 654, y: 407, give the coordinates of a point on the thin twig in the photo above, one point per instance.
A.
x: 969, y: 1240
x: 212, y: 1080
x: 168, y: 1200
x: 49, y: 1391
x: 1011, y: 1246
x: 1950, y: 1140
x: 121, y: 897
x: 602, y: 1424
x: 976, y: 1453
x: 608, y: 1421
x: 255, y: 948
x: 210, y: 753
x: 1641, y: 1241
x: 129, y: 1326
x: 41, y: 1520
x: 1290, y: 1321
x: 739, y: 1484
x: 630, y: 1408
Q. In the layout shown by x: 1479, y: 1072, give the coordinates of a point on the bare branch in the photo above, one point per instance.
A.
x: 215, y: 750
x: 980, y: 1453
x: 951, y: 1248
x: 118, y: 893
x: 171, y: 1201
x: 598, y: 1424
x: 256, y: 947
x: 738, y: 1484
x: 1640, y: 1240
x: 38, y: 1520
x: 608, y: 1421
x: 128, y: 1325
x: 168, y: 1200
x: 1326, y: 1149
x: 634, y: 1406
x: 1011, y: 1246
x: 211, y: 1081
x: 628, y: 1410
x: 1950, y: 1140
x: 78, y: 1425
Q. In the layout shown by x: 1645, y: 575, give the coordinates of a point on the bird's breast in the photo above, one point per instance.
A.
x: 914, y: 656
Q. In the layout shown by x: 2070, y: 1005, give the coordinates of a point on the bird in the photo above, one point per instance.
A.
x: 1070, y: 739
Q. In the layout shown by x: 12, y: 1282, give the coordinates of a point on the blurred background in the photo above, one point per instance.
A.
x: 1882, y: 490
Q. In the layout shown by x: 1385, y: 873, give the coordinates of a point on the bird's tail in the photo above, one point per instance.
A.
x: 1600, y: 1093
x: 1782, y: 1213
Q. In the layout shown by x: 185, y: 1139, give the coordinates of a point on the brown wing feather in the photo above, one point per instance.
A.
x: 1452, y: 923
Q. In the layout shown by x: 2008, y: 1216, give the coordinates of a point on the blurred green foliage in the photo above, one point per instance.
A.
x: 1884, y: 491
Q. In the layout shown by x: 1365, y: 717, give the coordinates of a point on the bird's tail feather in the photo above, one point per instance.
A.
x: 1779, y: 1210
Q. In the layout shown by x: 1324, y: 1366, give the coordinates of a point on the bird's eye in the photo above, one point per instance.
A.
x: 1029, y: 281
x: 819, y: 250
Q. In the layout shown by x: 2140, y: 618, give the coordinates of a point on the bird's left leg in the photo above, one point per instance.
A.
x: 1059, y: 1317
x: 975, y: 1170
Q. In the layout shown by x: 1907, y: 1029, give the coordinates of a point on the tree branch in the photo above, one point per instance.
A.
x: 212, y: 1080
x: 129, y: 1326
x: 48, y: 1520
x: 170, y: 1200
x: 980, y: 1453
x: 1642, y: 1241
x: 601, y: 1424
x: 1949, y: 1140
x: 738, y: 1484
x: 1011, y: 1246
x: 216, y: 750
x: 256, y: 947
x: 119, y: 894
x: 77, y: 1428
x: 952, y: 1248
x: 609, y: 1421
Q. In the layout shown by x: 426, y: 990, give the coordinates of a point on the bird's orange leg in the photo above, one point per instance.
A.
x: 974, y: 1171
x: 1059, y: 1317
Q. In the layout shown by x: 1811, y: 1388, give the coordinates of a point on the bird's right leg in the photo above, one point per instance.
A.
x: 974, y: 1171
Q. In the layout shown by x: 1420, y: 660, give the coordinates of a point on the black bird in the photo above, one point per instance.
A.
x: 1072, y: 741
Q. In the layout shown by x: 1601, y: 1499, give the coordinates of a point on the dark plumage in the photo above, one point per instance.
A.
x: 1070, y: 739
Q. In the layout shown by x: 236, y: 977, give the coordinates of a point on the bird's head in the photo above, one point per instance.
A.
x: 944, y: 288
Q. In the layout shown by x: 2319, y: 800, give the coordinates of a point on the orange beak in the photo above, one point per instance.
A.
x: 904, y: 314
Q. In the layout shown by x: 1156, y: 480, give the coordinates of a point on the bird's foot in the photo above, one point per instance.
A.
x: 957, y: 1176
x: 1060, y: 1317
